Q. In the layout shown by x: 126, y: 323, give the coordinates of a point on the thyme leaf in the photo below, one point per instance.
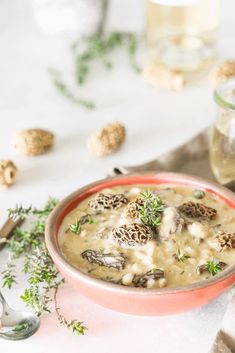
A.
x: 9, y: 277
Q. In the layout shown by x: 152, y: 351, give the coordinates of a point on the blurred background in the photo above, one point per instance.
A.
x: 36, y: 36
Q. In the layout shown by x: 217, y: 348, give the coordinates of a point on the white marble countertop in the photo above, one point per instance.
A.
x: 156, y: 121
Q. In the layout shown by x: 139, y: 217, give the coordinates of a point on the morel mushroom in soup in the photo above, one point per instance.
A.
x: 150, y: 236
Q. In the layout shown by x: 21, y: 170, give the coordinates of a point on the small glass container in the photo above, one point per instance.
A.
x: 222, y: 144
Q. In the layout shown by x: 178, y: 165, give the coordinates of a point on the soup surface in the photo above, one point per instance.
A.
x: 150, y: 236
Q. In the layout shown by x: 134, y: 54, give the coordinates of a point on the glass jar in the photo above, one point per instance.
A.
x: 182, y: 34
x: 222, y: 144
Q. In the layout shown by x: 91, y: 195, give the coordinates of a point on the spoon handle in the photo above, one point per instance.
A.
x: 4, y: 303
x: 7, y: 229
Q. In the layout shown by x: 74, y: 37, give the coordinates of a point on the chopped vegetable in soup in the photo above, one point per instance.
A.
x: 150, y: 236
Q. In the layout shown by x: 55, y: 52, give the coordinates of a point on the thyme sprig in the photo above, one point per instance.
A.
x: 76, y: 326
x: 23, y: 212
x: 99, y: 47
x: 37, y: 299
x: 92, y: 49
x: 42, y: 276
x: 151, y: 210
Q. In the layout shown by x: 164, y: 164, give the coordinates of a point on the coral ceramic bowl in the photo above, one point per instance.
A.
x: 138, y: 301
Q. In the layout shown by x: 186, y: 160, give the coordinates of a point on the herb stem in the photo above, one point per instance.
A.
x: 63, y: 88
x: 76, y: 326
x: 103, y: 16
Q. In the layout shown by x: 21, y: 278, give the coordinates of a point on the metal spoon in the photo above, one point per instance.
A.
x: 16, y: 325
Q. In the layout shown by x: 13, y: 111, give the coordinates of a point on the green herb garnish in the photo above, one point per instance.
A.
x: 76, y: 226
x: 199, y: 194
x: 181, y: 256
x: 151, y: 210
x: 213, y: 266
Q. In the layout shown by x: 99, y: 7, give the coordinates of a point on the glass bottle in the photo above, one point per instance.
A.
x: 222, y: 144
x: 182, y: 34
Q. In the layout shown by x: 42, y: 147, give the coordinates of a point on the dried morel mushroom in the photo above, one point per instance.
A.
x: 107, y: 260
x: 142, y: 280
x: 108, y: 140
x: 8, y: 173
x: 197, y: 210
x: 132, y: 234
x: 107, y: 201
x: 224, y: 71
x: 33, y: 142
x: 132, y: 208
x: 223, y: 241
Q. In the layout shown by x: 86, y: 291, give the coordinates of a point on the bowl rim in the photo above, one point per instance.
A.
x: 168, y: 177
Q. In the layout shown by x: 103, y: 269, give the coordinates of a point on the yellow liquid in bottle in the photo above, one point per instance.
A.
x: 184, y: 36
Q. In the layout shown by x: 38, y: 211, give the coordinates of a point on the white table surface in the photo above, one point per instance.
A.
x: 156, y: 121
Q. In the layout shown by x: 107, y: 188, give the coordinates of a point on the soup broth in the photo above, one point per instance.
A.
x: 150, y: 236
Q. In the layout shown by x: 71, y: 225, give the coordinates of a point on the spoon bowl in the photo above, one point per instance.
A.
x: 16, y: 325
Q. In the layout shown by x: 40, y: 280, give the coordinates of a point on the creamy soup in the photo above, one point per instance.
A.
x: 150, y: 236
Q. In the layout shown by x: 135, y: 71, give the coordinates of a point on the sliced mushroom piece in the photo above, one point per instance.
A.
x: 171, y: 222
x: 196, y: 210
x: 86, y: 219
x: 223, y: 241
x: 204, y: 268
x: 151, y: 275
x: 132, y: 234
x: 107, y: 201
x: 108, y: 260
